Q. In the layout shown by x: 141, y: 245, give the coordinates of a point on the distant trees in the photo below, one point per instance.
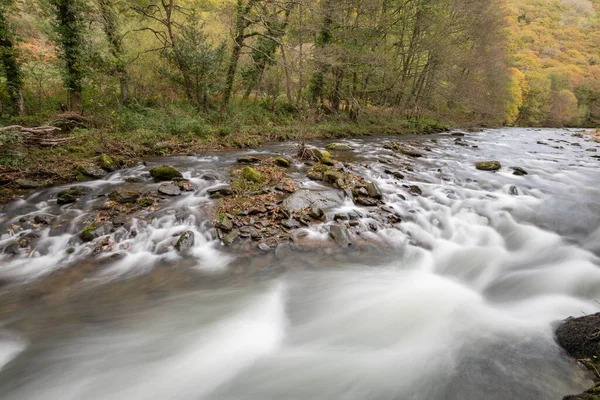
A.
x: 446, y: 59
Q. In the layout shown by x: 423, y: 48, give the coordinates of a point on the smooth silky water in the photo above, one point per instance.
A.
x: 458, y: 301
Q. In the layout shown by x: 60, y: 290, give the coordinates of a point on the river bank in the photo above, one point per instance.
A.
x: 436, y: 262
x: 82, y: 145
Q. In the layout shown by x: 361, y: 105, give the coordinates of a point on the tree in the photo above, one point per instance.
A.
x: 69, y: 27
x: 112, y: 31
x: 10, y: 64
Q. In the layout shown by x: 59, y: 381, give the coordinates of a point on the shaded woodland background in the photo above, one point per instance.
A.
x: 202, y: 67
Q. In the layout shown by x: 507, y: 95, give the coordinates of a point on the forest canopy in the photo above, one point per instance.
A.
x: 525, y: 62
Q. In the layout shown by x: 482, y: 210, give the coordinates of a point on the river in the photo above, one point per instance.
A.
x: 458, y: 301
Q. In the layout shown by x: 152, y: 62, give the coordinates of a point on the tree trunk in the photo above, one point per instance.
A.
x: 14, y: 77
x: 112, y: 32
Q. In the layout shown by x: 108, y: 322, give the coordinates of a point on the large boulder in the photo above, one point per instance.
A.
x: 165, y: 173
x: 488, y: 165
x: 169, y: 189
x: 306, y: 198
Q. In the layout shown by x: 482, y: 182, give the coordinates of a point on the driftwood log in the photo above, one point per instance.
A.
x: 41, y: 136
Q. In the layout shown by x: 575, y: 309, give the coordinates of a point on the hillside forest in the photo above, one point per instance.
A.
x: 216, y: 67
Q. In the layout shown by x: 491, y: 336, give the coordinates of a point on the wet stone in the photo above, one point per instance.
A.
x: 91, y: 171
x: 231, y: 238
x: 338, y: 147
x: 223, y: 222
x: 340, y: 235
x: 366, y: 201
x: 27, y: 184
x: 41, y: 220
x: 303, y: 199
x: 248, y: 160
x: 373, y: 190
x: 488, y: 165
x: 282, y: 162
x: 264, y: 247
x: 169, y: 189
x: 220, y: 192
x: 72, y: 194
x: 519, y: 171
x: 165, y: 173
x: 124, y: 196
x: 184, y: 185
x: 415, y: 190
x: 185, y: 242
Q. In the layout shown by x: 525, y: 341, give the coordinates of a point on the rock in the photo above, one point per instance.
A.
x: 290, y: 224
x: 219, y: 192
x: 26, y: 184
x: 185, y: 242
x: 488, y: 165
x: 339, y: 233
x: 169, y: 189
x: 230, y: 238
x: 41, y: 220
x: 338, y: 147
x: 592, y: 149
x: 93, y: 231
x: 248, y: 160
x: 398, y: 175
x: 519, y: 171
x: 119, y: 220
x: 264, y: 247
x: 184, y: 184
x: 209, y: 177
x: 415, y: 190
x: 315, y: 175
x: 341, y: 217
x: 71, y: 195
x: 145, y: 202
x: 513, y: 190
x: 134, y: 179
x: 410, y: 152
x: 366, y: 201
x: 91, y: 171
x: 124, y: 196
x: 306, y: 198
x: 581, y: 339
x: 458, y: 134
x: 252, y: 175
x: 165, y: 173
x: 224, y: 223
x: 542, y: 142
x: 282, y: 162
x: 374, y: 190
x: 323, y: 156
x: 107, y: 163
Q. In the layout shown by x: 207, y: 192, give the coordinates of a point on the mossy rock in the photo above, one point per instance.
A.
x: 223, y: 222
x: 282, y: 162
x: 145, y: 202
x: 91, y: 171
x: 88, y: 233
x: 108, y: 163
x: 488, y: 165
x: 252, y: 175
x: 26, y: 184
x: 71, y: 195
x: 323, y: 156
x: 338, y: 147
x: 165, y: 173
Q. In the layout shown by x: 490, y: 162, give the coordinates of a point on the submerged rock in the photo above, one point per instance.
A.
x: 488, y: 165
x: 185, y: 241
x: 165, y: 173
x: 124, y: 196
x: 338, y: 147
x: 169, y: 189
x: 410, y: 152
x: 318, y: 199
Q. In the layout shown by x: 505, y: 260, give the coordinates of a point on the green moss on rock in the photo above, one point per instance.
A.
x: 87, y: 234
x: 282, y: 162
x: 165, y: 173
x: 252, y: 175
x: 488, y: 165
x: 108, y: 163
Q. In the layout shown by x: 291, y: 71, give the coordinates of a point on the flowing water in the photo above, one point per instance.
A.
x: 458, y: 301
